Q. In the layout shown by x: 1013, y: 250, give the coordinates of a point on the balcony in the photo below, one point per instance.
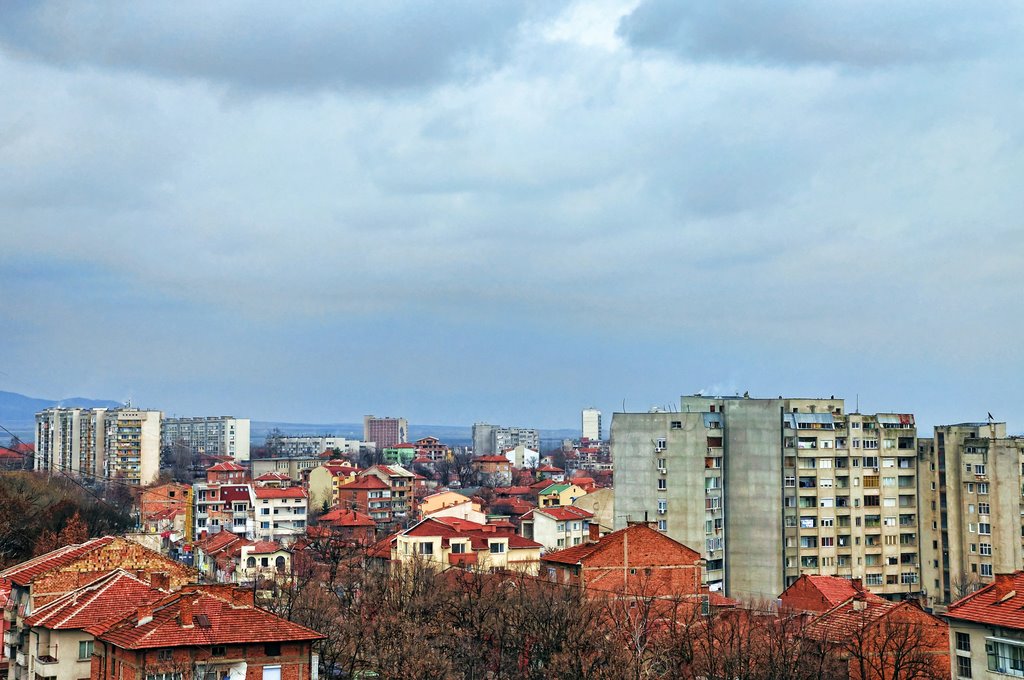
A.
x: 462, y: 560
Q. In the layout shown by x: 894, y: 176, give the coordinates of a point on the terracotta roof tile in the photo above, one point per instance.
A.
x: 216, y: 622
x: 1000, y: 603
x: 23, y: 574
x: 96, y: 606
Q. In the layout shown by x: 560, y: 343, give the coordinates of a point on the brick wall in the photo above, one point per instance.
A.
x: 119, y: 554
x: 126, y: 664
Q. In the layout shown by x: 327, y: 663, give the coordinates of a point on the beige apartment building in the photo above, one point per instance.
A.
x: 770, y: 489
x: 971, y: 497
x: 119, y: 443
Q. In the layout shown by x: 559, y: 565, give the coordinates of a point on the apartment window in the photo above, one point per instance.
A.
x: 971, y: 528
x: 661, y: 444
x: 979, y: 469
x: 983, y: 487
x: 963, y: 666
x: 828, y: 541
x: 1005, y: 657
x: 869, y: 461
x: 661, y: 464
x: 983, y: 508
x: 662, y: 484
x: 677, y: 424
x: 663, y: 506
x: 986, y: 548
x: 963, y: 642
x: 986, y: 568
x: 85, y: 650
x: 426, y: 549
x: 985, y: 528
x: 497, y: 548
x: 828, y: 521
x: 662, y: 525
x: 790, y: 481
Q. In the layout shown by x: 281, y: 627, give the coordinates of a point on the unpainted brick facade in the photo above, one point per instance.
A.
x: 114, y: 663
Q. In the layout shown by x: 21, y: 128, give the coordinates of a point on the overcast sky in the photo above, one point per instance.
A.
x: 463, y: 211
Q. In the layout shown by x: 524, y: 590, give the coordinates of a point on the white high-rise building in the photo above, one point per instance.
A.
x: 214, y: 435
x: 119, y: 443
x: 591, y: 424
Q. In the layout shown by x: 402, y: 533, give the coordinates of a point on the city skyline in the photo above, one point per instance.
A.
x: 509, y: 213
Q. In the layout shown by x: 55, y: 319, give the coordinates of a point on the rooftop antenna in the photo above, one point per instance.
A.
x: 858, y: 402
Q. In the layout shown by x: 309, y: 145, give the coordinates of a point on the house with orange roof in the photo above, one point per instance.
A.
x: 370, y: 495
x: 402, y: 485
x: 879, y: 639
x: 347, y: 524
x: 62, y: 632
x: 445, y: 542
x: 986, y: 629
x: 637, y: 560
x: 46, y: 578
x: 227, y: 472
x: 556, y: 528
x: 813, y: 593
x: 559, y: 495
x: 202, y: 632
x: 432, y: 448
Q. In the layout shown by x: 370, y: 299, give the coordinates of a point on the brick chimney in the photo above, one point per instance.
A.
x: 144, y: 615
x: 160, y: 580
x: 858, y: 585
x: 859, y: 602
x: 185, y: 611
x: 595, y: 532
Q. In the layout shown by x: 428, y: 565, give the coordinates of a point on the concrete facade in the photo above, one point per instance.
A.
x: 832, y: 493
x: 591, y: 424
x: 489, y: 440
x: 212, y: 435
x: 103, y: 443
x: 971, y: 485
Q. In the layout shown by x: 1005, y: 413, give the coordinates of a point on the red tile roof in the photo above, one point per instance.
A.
x: 840, y: 622
x: 268, y: 492
x: 265, y: 548
x: 96, y: 606
x: 450, y: 527
x: 549, y: 468
x: 24, y: 573
x: 344, y: 517
x: 218, y: 541
x: 235, y: 492
x: 228, y: 466
x: 561, y: 513
x: 216, y: 622
x: 656, y: 553
x: 272, y: 477
x: 512, y: 490
x: 836, y: 589
x: 490, y: 459
x: 367, y: 483
x: 1000, y: 603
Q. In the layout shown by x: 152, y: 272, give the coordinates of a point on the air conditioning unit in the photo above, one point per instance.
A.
x: 662, y: 470
x: 661, y: 511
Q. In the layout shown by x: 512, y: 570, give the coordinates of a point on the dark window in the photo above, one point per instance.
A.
x: 963, y: 642
x: 218, y: 650
x: 272, y: 649
x: 963, y: 667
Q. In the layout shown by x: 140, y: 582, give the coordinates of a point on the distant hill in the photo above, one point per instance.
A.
x: 18, y: 412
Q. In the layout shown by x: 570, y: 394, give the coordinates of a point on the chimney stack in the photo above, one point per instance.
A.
x: 595, y: 532
x: 160, y: 580
x: 185, y: 610
x: 144, y: 615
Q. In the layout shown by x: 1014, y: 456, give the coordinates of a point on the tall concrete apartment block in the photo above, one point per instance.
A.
x: 119, y: 443
x: 213, y: 435
x: 971, y: 498
x: 385, y: 432
x: 591, y: 421
x: 489, y: 440
x: 771, y: 489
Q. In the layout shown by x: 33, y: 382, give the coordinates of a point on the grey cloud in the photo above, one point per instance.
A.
x: 858, y: 33
x: 274, y: 46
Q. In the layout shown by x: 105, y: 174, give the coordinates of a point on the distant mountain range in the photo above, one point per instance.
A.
x: 18, y: 414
